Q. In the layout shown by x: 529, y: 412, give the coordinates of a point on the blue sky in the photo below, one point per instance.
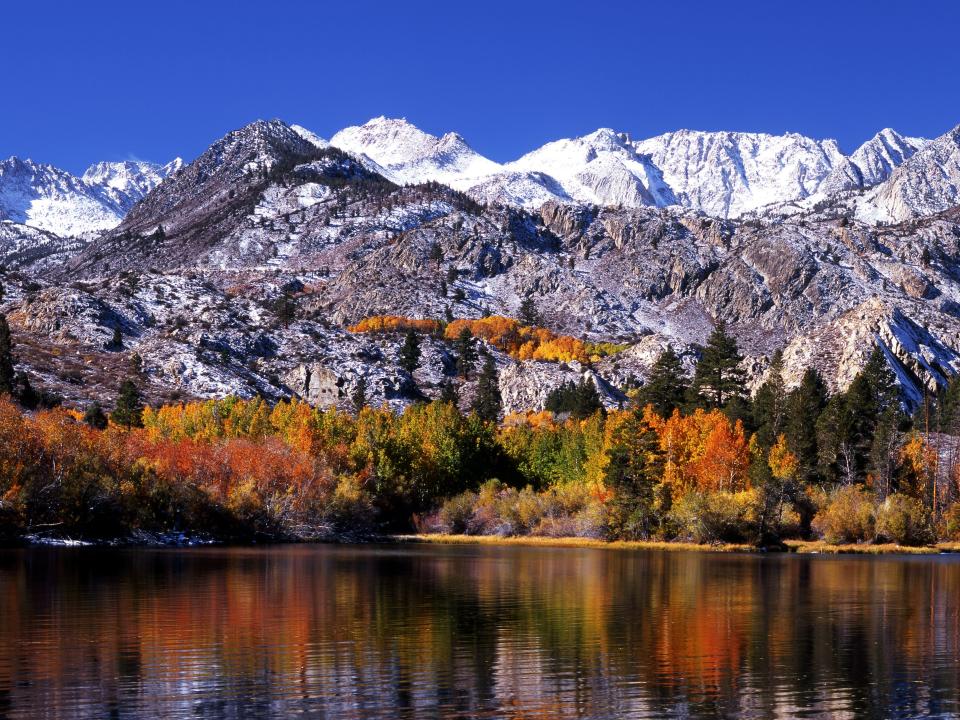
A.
x: 112, y: 80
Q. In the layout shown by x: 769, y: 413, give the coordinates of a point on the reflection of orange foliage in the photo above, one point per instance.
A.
x: 395, y: 323
x: 702, y: 451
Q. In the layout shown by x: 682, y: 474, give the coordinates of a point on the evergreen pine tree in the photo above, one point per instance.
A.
x: 129, y: 408
x: 285, y: 309
x: 466, y: 353
x: 410, y: 352
x: 436, y: 253
x: 718, y: 378
x: 633, y: 471
x: 884, y: 451
x: 847, y: 428
x: 805, y: 404
x: 117, y: 341
x: 487, y: 402
x: 24, y: 392
x: 770, y: 405
x: 359, y: 394
x: 94, y: 416
x: 666, y: 387
x: 947, y: 407
x: 449, y: 394
x: 580, y: 399
x: 529, y: 314
x: 7, y: 376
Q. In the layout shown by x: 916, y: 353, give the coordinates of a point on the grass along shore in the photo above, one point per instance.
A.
x: 803, y: 547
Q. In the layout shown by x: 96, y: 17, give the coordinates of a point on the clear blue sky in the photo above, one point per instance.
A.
x: 85, y: 81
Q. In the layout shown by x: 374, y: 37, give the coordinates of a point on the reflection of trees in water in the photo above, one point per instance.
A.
x: 535, y: 632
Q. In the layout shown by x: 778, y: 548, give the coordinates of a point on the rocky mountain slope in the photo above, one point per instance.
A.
x: 241, y: 272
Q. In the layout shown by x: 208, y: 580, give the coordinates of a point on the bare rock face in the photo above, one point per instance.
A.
x: 316, y: 384
x: 527, y: 385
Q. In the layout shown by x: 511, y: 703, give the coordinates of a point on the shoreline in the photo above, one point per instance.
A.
x: 180, y: 540
x: 796, y: 547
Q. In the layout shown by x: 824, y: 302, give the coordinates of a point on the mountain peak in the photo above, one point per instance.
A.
x: 410, y: 155
x: 310, y: 136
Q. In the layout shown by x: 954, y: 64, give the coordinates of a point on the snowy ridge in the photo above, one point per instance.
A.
x: 723, y: 174
x: 727, y: 174
x: 926, y: 183
x: 310, y: 137
x: 126, y: 183
x: 412, y: 156
x: 602, y: 168
x: 48, y: 198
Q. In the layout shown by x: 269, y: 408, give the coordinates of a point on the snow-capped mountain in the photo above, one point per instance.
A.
x: 516, y: 189
x: 410, y: 156
x: 269, y: 211
x: 602, y: 168
x: 48, y: 198
x: 125, y: 183
x: 726, y: 174
x: 882, y: 154
x: 310, y: 137
x: 872, y: 162
x: 928, y: 182
x: 723, y: 174
x: 45, y: 197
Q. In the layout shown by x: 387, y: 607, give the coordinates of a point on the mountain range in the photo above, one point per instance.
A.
x: 722, y: 174
x: 51, y: 199
x: 791, y: 243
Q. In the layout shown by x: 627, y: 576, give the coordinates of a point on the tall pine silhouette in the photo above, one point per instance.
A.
x: 719, y: 379
x: 666, y: 388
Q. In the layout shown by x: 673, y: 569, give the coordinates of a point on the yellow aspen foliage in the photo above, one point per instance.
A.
x: 395, y: 323
x: 783, y: 463
x: 702, y: 451
x: 918, y: 463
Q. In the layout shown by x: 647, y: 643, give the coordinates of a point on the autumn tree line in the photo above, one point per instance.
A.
x: 690, y: 457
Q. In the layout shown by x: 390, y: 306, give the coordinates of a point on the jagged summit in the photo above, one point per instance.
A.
x: 602, y: 168
x: 221, y: 177
x: 722, y: 174
x: 127, y: 182
x: 726, y: 174
x: 927, y: 182
x: 409, y: 155
x: 48, y: 198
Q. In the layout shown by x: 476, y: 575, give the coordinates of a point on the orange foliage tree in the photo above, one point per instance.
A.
x: 702, y: 451
x: 523, y: 342
x: 396, y: 323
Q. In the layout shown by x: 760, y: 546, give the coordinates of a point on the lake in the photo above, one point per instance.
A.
x: 428, y: 631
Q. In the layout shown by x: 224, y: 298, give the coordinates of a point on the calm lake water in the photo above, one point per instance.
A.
x: 463, y: 632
